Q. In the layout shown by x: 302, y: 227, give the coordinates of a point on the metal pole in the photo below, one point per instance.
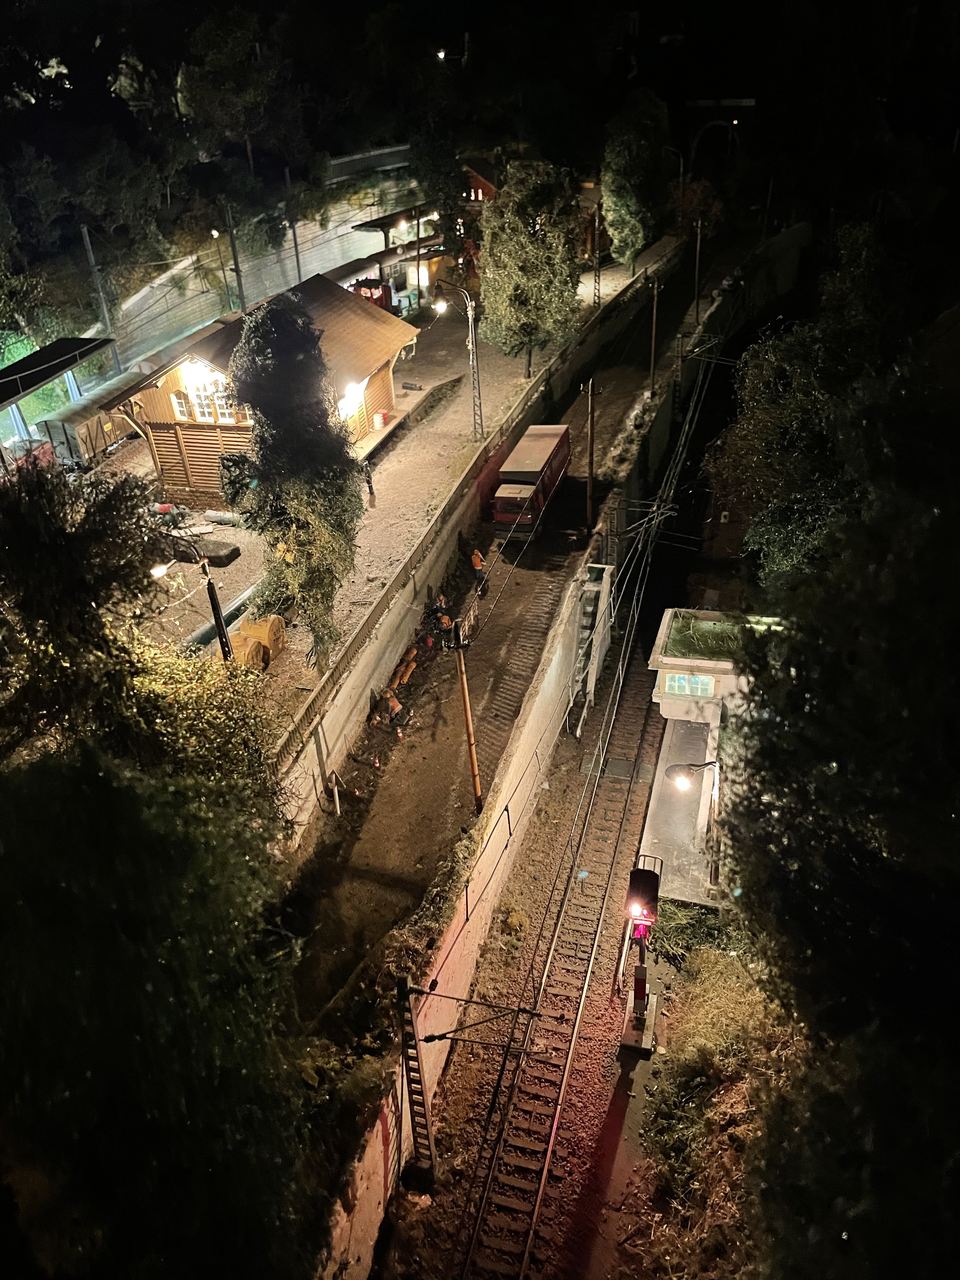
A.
x: 596, y: 256
x: 678, y: 381
x: 291, y: 218
x: 590, y: 412
x: 417, y: 212
x: 696, y: 276
x: 478, y: 432
x: 223, y: 269
x: 98, y: 282
x: 236, y: 258
x: 222, y: 634
x: 460, y: 645
x: 653, y: 339
x: 766, y: 210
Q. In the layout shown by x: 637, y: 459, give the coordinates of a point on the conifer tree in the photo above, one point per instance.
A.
x: 529, y: 265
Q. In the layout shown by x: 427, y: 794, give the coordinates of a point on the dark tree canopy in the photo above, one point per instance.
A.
x: 800, y: 453
x: 841, y: 824
x: 301, y: 488
x: 635, y: 176
x: 150, y: 1122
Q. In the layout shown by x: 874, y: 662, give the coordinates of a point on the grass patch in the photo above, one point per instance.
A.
x: 727, y: 1046
x: 681, y: 928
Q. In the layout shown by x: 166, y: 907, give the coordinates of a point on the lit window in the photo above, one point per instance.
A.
x: 225, y: 410
x: 181, y: 406
x: 690, y: 686
x: 205, y: 405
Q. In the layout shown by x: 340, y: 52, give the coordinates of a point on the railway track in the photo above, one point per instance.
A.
x: 511, y: 1213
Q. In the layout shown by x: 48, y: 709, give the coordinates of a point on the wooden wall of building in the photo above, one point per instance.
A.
x: 189, y: 455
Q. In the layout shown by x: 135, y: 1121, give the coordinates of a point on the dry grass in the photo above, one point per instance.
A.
x: 727, y: 1045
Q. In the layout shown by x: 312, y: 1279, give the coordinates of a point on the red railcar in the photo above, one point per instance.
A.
x: 528, y: 480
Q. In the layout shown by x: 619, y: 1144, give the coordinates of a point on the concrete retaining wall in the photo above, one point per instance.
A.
x: 512, y: 799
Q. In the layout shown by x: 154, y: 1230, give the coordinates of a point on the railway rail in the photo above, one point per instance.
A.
x: 511, y: 1209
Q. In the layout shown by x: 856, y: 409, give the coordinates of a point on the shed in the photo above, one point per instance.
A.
x: 184, y: 409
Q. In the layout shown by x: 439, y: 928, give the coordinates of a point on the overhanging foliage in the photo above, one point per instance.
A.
x: 529, y: 267
x: 301, y: 487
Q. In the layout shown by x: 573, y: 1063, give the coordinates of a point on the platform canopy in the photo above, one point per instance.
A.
x: 20, y: 379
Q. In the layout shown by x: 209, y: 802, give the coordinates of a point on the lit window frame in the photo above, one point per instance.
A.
x: 182, y: 405
x: 692, y: 685
x: 226, y: 413
x: 202, y: 398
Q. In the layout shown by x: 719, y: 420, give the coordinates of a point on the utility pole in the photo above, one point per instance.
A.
x: 460, y: 645
x: 478, y: 432
x: 417, y: 213
x: 440, y: 305
x: 590, y: 425
x: 596, y: 256
x: 424, y: 1169
x: 696, y: 275
x: 223, y: 270
x: 653, y: 338
x: 226, y: 648
x: 678, y: 380
x: 766, y: 210
x: 236, y: 257
x: 98, y: 282
x: 291, y: 218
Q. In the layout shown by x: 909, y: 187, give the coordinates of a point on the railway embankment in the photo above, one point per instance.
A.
x: 440, y: 942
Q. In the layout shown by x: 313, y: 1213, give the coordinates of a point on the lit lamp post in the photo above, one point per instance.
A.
x: 440, y: 305
x: 223, y: 269
x: 683, y: 776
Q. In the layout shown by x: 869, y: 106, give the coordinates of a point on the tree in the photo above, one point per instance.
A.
x: 798, y: 455
x: 439, y: 173
x: 76, y: 557
x: 842, y: 836
x: 301, y: 487
x: 634, y: 176
x: 151, y: 1118
x: 236, y: 86
x: 529, y: 267
x: 696, y: 202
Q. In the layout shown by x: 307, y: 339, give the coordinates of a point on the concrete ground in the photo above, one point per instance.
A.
x: 671, y: 831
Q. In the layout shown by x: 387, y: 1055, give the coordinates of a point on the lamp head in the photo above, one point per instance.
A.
x: 681, y: 776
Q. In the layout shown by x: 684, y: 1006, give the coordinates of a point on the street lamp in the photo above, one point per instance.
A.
x: 223, y: 269
x: 681, y: 775
x: 440, y: 305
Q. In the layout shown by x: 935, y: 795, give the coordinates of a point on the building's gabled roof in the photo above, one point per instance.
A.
x: 483, y: 168
x: 356, y: 337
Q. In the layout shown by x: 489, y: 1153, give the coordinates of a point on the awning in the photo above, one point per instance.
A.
x: 34, y: 371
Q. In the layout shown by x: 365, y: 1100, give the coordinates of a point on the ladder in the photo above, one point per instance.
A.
x: 421, y: 1170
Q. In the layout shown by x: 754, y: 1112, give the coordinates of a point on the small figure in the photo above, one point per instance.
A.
x: 368, y: 477
x: 479, y: 570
